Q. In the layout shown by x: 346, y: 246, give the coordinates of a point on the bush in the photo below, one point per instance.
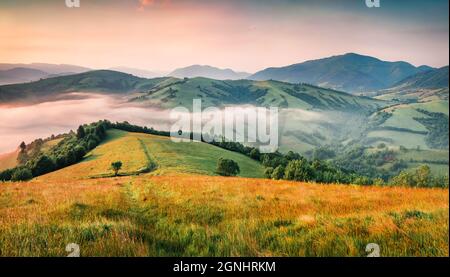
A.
x: 278, y: 172
x: 227, y: 167
x: 362, y: 180
x: 21, y: 174
x: 381, y: 146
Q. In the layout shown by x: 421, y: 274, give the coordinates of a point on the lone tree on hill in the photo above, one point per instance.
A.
x: 116, y: 166
x: 227, y: 167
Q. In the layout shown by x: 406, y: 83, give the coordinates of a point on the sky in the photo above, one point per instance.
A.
x: 245, y: 35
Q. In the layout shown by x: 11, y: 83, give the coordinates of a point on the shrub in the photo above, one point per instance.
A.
x: 362, y: 180
x: 227, y: 167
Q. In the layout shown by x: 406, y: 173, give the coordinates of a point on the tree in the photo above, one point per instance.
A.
x: 292, y: 156
x: 42, y: 165
x: 298, y: 170
x: 381, y: 146
x: 227, y: 167
x: 22, y: 158
x: 278, y: 172
x: 6, y: 175
x: 404, y: 178
x: 79, y: 151
x: 362, y: 180
x: 21, y: 174
x: 423, y: 176
x: 268, y: 172
x: 254, y: 154
x: 116, y: 166
x: 81, y: 132
x: 378, y: 182
x: 23, y: 147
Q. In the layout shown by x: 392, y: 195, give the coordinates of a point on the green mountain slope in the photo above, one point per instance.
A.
x: 177, y: 92
x: 425, y: 86
x: 134, y: 150
x: 437, y: 78
x: 92, y: 81
x: 170, y: 92
x: 350, y: 72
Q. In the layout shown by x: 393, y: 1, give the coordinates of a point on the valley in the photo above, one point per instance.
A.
x: 311, y: 117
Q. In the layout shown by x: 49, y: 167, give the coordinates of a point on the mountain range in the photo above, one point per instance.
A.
x: 208, y: 72
x: 350, y: 72
x: 353, y: 73
x: 168, y: 92
x: 22, y: 73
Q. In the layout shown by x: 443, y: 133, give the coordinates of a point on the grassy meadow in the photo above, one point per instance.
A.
x: 183, y: 209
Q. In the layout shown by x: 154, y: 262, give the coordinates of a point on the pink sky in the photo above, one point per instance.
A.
x: 163, y: 35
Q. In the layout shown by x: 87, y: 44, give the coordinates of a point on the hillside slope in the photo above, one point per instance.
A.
x: 425, y: 86
x: 180, y: 209
x: 20, y: 75
x: 170, y: 157
x: 93, y: 81
x: 171, y: 92
x: 195, y: 215
x: 176, y: 92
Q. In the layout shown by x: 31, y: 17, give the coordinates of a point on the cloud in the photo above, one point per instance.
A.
x: 145, y: 3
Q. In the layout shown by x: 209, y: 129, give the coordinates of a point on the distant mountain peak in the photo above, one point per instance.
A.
x: 208, y: 71
x: 350, y: 72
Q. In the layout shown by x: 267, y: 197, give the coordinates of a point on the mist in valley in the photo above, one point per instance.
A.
x: 27, y: 123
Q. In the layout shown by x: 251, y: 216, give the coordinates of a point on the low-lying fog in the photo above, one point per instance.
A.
x: 26, y: 123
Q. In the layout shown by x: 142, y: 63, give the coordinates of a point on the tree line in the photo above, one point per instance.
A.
x: 70, y: 150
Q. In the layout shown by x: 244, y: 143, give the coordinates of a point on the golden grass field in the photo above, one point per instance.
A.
x: 182, y: 209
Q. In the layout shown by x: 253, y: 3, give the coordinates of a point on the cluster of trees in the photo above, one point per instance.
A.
x: 293, y: 166
x: 438, y: 131
x: 68, y: 151
x: 356, y: 159
x: 421, y: 177
x: 126, y: 126
x: 33, y: 162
